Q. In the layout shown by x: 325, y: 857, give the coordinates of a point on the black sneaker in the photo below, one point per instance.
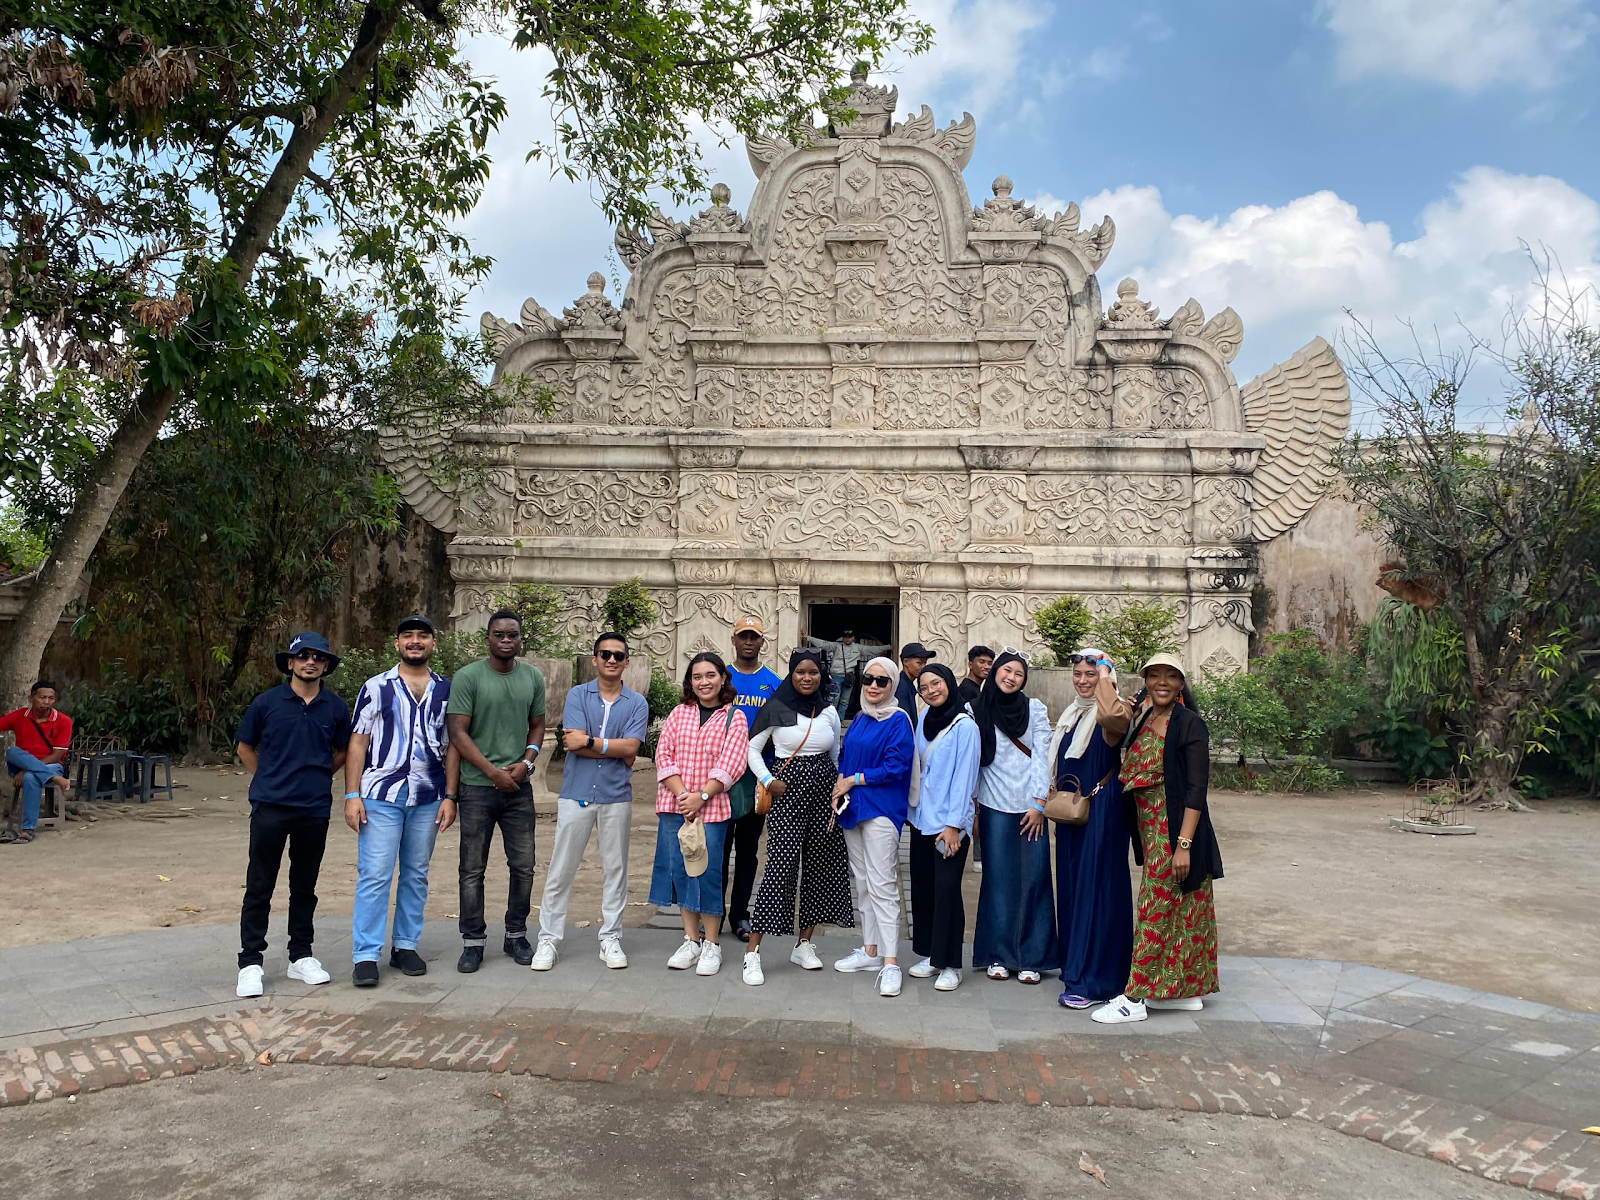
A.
x: 365, y: 974
x: 407, y: 962
x: 520, y: 950
x: 471, y: 959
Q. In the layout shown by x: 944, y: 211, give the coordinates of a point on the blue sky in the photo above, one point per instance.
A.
x: 1289, y: 159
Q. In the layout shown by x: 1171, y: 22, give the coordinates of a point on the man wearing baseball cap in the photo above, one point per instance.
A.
x: 401, y: 778
x: 913, y: 657
x: 292, y: 739
x: 752, y: 684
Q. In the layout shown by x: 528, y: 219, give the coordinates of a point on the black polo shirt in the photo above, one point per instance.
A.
x: 295, y: 742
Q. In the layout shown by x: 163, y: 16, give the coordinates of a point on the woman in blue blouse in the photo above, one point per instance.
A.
x: 1094, y: 904
x: 870, y: 799
x: 941, y: 826
x: 1016, y: 930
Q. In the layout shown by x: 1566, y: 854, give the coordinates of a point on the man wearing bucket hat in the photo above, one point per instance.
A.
x: 292, y: 738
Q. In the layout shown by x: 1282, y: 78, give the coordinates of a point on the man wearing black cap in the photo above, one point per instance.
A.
x: 401, y: 779
x: 292, y: 739
x: 913, y: 657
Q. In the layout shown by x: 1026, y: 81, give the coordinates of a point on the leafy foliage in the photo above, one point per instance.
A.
x: 664, y: 695
x: 541, y: 607
x: 1142, y: 628
x: 22, y: 546
x: 1419, y: 751
x: 146, y: 715
x: 358, y: 664
x: 1244, y: 712
x: 628, y: 607
x: 1062, y: 624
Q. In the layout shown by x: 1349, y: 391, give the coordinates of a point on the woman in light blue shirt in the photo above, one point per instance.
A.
x: 941, y: 820
x: 1016, y: 929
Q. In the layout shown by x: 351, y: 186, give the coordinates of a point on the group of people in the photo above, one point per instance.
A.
x: 745, y: 752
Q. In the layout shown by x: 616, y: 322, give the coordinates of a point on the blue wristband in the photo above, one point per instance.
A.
x: 352, y: 795
x: 1037, y: 807
x: 605, y: 744
x: 767, y: 782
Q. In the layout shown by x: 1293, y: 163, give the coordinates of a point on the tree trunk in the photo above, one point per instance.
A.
x: 59, y: 576
x: 1495, y: 771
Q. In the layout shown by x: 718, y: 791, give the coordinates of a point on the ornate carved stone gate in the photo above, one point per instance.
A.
x: 869, y: 382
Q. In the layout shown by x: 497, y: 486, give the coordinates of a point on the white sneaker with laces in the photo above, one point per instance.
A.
x: 752, y: 969
x: 685, y: 956
x: 611, y: 953
x: 710, y: 959
x: 949, y: 980
x: 924, y: 969
x: 544, y: 955
x: 805, y: 955
x: 859, y: 960
x: 889, y: 980
x: 1119, y: 1012
x: 1190, y: 1004
x: 308, y: 970
x: 252, y: 982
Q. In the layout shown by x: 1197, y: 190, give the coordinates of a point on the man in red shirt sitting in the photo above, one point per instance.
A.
x: 42, y: 735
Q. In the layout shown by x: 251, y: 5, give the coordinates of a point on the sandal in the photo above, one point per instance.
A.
x: 996, y: 971
x: 1028, y: 977
x: 24, y: 837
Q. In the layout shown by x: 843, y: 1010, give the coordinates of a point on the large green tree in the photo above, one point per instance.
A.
x: 181, y: 176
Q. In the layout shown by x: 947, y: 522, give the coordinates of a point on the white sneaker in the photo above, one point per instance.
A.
x: 1189, y: 1004
x: 252, y: 982
x: 1119, y: 1012
x: 308, y: 970
x: 710, y: 959
x: 924, y: 969
x: 804, y: 955
x: 889, y: 981
x: 752, y: 969
x: 949, y: 980
x: 685, y: 956
x: 611, y: 953
x: 544, y: 955
x: 859, y: 960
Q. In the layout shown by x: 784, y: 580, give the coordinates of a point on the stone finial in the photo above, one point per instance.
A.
x: 593, y: 310
x: 720, y: 217
x: 721, y: 194
x: 873, y: 107
x: 1002, y: 187
x: 1130, y: 312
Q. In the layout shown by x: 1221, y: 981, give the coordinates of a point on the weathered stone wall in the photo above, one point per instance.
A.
x: 1321, y: 575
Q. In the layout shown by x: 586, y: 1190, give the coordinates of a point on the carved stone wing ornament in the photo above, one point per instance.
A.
x: 1302, y: 408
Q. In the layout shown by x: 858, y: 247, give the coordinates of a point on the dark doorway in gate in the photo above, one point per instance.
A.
x: 873, y: 618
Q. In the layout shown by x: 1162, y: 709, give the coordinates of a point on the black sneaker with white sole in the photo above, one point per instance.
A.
x: 365, y: 974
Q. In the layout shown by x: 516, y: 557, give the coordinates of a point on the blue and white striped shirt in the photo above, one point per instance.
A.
x: 405, y: 760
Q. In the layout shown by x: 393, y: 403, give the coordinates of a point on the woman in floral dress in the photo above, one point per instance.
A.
x: 1166, y: 765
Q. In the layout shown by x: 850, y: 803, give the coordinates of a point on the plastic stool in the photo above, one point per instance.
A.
x: 55, y: 799
x: 140, y: 775
x: 93, y: 767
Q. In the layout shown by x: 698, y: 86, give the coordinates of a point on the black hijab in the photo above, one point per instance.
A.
x: 786, y: 705
x: 938, y: 717
x: 1000, y: 712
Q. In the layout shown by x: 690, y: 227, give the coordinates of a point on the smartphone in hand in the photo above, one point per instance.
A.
x: 842, y: 803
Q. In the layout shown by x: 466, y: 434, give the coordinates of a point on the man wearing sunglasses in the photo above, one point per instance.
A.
x: 292, y: 739
x: 604, y: 723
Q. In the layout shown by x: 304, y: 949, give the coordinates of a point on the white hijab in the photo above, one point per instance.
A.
x: 890, y: 705
x: 1076, y: 720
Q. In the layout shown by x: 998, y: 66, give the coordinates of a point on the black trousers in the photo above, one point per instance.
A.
x: 272, y: 828
x: 482, y: 810
x: 744, y: 836
x: 938, y: 916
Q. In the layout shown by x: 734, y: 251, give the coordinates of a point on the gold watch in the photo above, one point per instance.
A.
x: 1185, y: 843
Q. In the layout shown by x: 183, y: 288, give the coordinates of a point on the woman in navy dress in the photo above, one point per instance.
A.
x: 1094, y: 895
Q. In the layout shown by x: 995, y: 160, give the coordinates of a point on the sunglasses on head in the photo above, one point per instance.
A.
x: 1022, y: 654
x: 612, y: 656
x: 1093, y: 659
x: 876, y: 680
x: 314, y: 655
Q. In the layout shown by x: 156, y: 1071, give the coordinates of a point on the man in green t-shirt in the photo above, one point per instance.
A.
x: 495, y: 719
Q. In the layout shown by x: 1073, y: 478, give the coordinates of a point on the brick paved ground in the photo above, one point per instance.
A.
x: 1490, y: 1084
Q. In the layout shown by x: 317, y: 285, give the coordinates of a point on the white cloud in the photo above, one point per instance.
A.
x: 977, y: 59
x: 1291, y: 271
x: 1463, y: 44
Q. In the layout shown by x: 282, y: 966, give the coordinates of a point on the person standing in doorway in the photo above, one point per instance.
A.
x: 914, y: 657
x: 292, y: 739
x: 43, y: 735
x: 493, y: 702
x: 401, y: 777
x: 845, y: 659
x: 753, y: 685
x: 979, y: 660
x: 604, y: 723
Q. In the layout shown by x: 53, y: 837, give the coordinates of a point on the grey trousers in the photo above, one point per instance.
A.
x: 574, y: 824
x: 874, y: 847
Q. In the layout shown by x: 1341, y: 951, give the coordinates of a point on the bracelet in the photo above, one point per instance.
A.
x: 605, y: 744
x: 861, y: 778
x: 352, y: 795
x: 534, y: 748
x: 767, y: 782
x: 1037, y: 807
x: 452, y: 796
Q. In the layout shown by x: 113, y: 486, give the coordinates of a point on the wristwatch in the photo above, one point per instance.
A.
x: 529, y: 763
x: 452, y: 796
x: 705, y: 797
x: 589, y: 745
x: 1185, y: 843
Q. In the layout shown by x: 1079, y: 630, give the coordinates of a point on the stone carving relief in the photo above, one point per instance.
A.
x: 941, y: 618
x: 1159, y: 399
x: 1221, y: 509
x: 917, y: 291
x: 708, y: 508
x: 655, y: 390
x: 597, y: 504
x: 1233, y: 611
x: 1137, y: 510
x: 851, y: 511
x: 924, y: 398
x: 772, y: 398
x: 1219, y: 664
x: 796, y: 290
x: 999, y: 509
x: 1302, y: 408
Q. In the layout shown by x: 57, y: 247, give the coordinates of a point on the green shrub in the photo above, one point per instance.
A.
x: 1062, y: 624
x: 628, y: 607
x: 1326, y: 696
x: 145, y: 714
x: 1130, y: 637
x: 358, y: 664
x: 1417, y: 750
x: 1245, y: 714
x: 541, y: 608
x: 664, y: 695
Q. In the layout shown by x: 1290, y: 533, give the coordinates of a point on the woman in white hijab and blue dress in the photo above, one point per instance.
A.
x: 1016, y: 928
x: 1094, y: 902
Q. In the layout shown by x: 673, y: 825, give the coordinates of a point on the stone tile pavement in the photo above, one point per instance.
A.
x: 1493, y: 1084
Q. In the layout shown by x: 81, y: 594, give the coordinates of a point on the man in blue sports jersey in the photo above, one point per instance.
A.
x: 752, y: 684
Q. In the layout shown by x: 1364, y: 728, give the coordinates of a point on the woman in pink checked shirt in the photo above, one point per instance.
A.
x: 701, y: 751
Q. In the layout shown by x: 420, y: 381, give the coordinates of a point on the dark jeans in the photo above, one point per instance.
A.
x: 272, y: 827
x: 744, y: 835
x: 938, y: 917
x: 482, y: 809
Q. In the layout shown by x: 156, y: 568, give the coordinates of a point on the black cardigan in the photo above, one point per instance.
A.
x: 1186, y: 762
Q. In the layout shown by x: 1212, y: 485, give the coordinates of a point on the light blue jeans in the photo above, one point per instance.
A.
x: 393, y: 835
x: 35, y: 775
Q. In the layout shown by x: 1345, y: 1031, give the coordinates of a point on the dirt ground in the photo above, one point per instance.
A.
x: 421, y: 1134
x: 1510, y: 910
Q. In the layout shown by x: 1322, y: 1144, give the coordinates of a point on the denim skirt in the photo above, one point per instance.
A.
x: 671, y: 884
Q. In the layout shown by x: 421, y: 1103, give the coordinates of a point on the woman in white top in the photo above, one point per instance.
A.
x: 1016, y: 928
x: 792, y: 747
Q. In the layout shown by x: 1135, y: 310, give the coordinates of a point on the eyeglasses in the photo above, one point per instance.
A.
x: 1075, y: 659
x: 876, y: 680
x: 612, y: 656
x: 1022, y: 654
x: 314, y: 655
